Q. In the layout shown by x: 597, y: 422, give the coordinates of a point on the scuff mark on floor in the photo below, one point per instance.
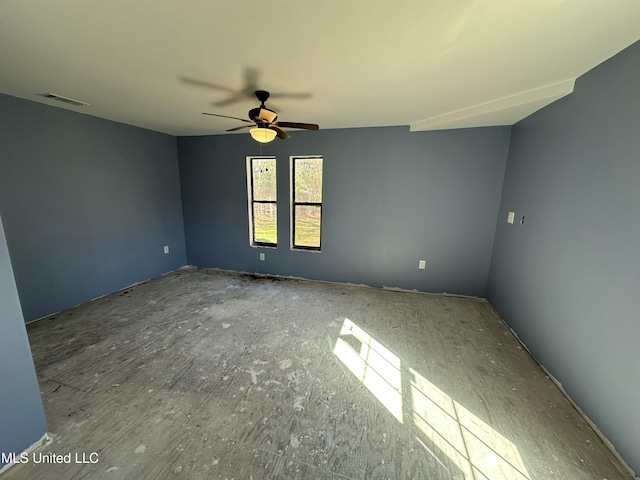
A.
x: 284, y: 364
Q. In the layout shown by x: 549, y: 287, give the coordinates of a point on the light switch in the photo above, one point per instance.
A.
x: 511, y: 217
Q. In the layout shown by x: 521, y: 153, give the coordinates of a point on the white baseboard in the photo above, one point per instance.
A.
x: 32, y: 448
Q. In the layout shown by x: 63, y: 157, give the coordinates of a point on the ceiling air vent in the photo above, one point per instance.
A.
x: 60, y: 98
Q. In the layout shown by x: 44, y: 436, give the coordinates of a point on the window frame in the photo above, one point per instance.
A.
x: 292, y: 192
x: 252, y: 201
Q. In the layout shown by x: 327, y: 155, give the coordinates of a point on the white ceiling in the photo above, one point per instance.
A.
x: 430, y: 64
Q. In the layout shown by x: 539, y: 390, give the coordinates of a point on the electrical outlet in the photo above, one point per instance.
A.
x: 262, y: 257
x: 166, y: 249
x: 422, y: 264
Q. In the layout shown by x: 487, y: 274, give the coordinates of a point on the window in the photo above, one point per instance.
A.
x: 306, y: 202
x: 263, y: 209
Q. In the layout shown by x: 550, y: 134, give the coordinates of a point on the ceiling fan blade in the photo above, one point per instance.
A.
x: 291, y: 95
x: 304, y: 126
x: 238, y: 128
x: 282, y: 135
x: 201, y: 83
x: 227, y: 116
x: 233, y: 98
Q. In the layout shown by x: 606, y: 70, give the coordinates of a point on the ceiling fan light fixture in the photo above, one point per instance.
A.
x: 268, y: 116
x: 262, y: 135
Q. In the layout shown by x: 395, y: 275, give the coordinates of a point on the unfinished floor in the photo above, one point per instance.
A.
x: 201, y: 374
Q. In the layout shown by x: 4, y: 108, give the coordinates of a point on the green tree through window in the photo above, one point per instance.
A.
x: 306, y: 202
x: 263, y: 209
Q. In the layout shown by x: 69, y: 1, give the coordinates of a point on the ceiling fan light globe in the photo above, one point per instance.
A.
x: 262, y: 135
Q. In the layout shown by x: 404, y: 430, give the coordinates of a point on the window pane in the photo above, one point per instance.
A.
x: 264, y: 178
x: 307, y: 226
x: 308, y: 180
x: 265, y: 225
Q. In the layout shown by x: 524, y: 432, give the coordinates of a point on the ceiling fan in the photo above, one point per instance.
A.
x: 262, y: 122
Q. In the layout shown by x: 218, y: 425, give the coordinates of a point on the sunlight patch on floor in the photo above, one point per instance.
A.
x: 376, y: 367
x: 473, y: 446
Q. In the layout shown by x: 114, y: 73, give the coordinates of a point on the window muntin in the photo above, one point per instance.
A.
x: 306, y: 202
x: 263, y: 208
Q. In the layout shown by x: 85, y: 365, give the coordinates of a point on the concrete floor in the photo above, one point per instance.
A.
x: 203, y: 374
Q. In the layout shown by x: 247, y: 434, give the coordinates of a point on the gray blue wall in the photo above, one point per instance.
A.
x: 568, y: 280
x: 22, y: 420
x: 391, y: 198
x: 88, y: 204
